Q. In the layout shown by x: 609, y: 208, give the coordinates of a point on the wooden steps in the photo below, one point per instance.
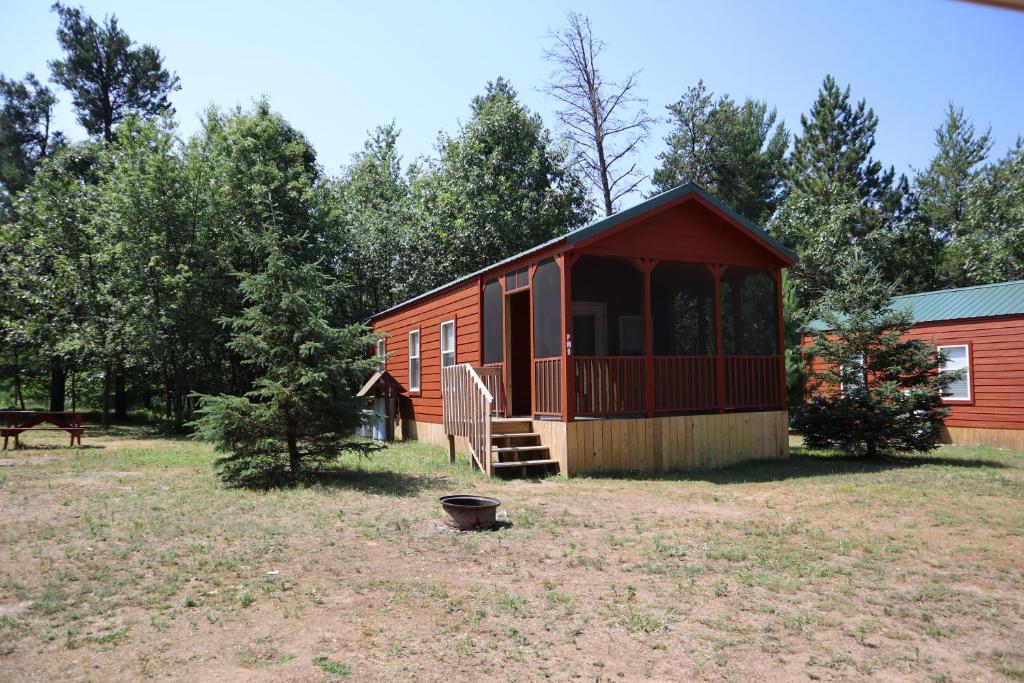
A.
x: 517, y: 449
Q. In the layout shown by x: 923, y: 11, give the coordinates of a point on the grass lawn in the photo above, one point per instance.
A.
x: 126, y: 560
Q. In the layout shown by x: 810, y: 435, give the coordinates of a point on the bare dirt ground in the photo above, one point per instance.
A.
x: 128, y: 561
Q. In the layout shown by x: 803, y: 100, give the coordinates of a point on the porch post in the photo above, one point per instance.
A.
x: 781, y: 322
x: 533, y: 374
x: 646, y: 267
x: 565, y: 262
x: 716, y: 272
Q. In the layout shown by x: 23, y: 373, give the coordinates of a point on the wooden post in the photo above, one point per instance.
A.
x: 533, y: 376
x: 451, y: 448
x: 646, y: 267
x: 716, y: 273
x: 565, y: 262
x: 781, y: 322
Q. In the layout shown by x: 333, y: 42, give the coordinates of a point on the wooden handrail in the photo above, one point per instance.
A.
x: 467, y: 405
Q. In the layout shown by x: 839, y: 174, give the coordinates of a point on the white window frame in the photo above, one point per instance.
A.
x: 415, y: 385
x: 857, y: 358
x: 966, y: 368
x: 382, y: 354
x: 452, y: 350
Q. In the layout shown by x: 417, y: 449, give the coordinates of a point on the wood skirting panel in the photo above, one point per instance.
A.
x: 553, y: 435
x: 680, y: 442
x: 1010, y: 439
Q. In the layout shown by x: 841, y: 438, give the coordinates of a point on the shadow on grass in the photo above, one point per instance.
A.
x: 803, y: 464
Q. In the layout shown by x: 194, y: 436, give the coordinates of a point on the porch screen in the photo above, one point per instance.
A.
x: 683, y: 308
x: 547, y: 310
x: 749, y: 313
x: 493, y: 323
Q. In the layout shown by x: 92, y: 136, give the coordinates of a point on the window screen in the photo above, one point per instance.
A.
x: 447, y: 343
x: 382, y: 354
x: 957, y: 359
x: 547, y: 310
x: 414, y: 360
x: 494, y: 326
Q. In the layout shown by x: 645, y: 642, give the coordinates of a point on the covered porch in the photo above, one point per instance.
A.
x: 590, y: 335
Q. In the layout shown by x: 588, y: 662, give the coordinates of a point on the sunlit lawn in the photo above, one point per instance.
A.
x: 127, y: 559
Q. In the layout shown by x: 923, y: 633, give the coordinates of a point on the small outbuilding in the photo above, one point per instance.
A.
x: 648, y: 340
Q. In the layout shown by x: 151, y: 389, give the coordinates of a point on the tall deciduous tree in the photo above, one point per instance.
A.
x: 26, y: 134
x: 372, y: 200
x: 735, y: 151
x: 872, y: 391
x: 107, y: 75
x: 603, y: 120
x: 499, y: 187
x: 302, y: 405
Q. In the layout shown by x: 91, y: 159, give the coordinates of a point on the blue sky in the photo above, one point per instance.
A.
x: 336, y: 70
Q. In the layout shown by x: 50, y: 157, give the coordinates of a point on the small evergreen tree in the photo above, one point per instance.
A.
x: 872, y: 391
x: 302, y: 405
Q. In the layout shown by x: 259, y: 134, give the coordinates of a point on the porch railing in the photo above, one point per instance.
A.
x: 467, y: 406
x: 609, y: 385
x: 547, y: 386
x: 753, y: 381
x: 684, y: 383
x: 493, y: 376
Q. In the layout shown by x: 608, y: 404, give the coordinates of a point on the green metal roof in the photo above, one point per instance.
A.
x: 609, y: 222
x: 980, y: 301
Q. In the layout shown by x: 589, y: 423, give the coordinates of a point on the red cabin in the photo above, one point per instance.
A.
x: 648, y: 340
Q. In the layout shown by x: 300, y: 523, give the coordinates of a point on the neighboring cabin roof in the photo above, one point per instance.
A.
x: 609, y: 222
x: 980, y: 301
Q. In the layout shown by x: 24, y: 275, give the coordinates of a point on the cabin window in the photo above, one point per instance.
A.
x: 494, y: 324
x: 447, y: 343
x: 547, y: 310
x: 958, y: 358
x: 851, y: 375
x: 631, y: 335
x: 414, y: 360
x: 382, y: 354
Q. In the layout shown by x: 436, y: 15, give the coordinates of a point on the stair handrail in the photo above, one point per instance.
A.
x: 467, y: 405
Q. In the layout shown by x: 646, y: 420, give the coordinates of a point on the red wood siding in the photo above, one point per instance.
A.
x: 686, y: 232
x: 996, y: 347
x: 461, y: 304
x: 997, y: 369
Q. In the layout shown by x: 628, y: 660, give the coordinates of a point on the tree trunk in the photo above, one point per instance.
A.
x: 58, y: 382
x: 120, y: 395
x: 19, y: 396
x: 106, y: 395
x: 293, y: 455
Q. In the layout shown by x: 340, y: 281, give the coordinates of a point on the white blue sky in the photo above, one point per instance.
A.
x: 336, y: 70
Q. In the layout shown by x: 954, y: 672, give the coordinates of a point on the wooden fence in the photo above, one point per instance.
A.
x: 468, y: 406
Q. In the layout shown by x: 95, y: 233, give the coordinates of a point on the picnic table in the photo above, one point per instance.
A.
x: 14, y: 422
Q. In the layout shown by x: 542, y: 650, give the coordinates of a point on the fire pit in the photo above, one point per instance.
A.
x: 468, y: 512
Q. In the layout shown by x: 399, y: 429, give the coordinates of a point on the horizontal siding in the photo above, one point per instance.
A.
x: 997, y: 369
x: 687, y: 232
x: 461, y: 304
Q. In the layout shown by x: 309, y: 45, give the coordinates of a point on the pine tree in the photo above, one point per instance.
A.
x: 872, y: 391
x: 302, y: 406
x: 736, y: 152
x: 107, y: 76
x: 944, y: 186
x: 26, y: 135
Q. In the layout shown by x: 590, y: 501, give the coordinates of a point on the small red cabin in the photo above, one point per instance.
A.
x: 648, y: 340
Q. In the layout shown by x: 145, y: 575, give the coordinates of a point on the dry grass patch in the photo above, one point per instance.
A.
x: 128, y: 560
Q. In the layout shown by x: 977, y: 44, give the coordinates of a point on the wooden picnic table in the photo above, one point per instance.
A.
x: 14, y: 422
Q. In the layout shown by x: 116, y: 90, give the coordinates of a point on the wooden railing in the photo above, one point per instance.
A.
x: 609, y: 385
x: 547, y: 386
x: 684, y: 383
x: 753, y: 381
x: 467, y: 411
x: 493, y: 376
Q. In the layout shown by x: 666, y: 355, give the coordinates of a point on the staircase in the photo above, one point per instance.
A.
x: 516, y: 449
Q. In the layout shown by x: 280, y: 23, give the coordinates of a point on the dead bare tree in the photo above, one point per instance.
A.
x: 595, y: 113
